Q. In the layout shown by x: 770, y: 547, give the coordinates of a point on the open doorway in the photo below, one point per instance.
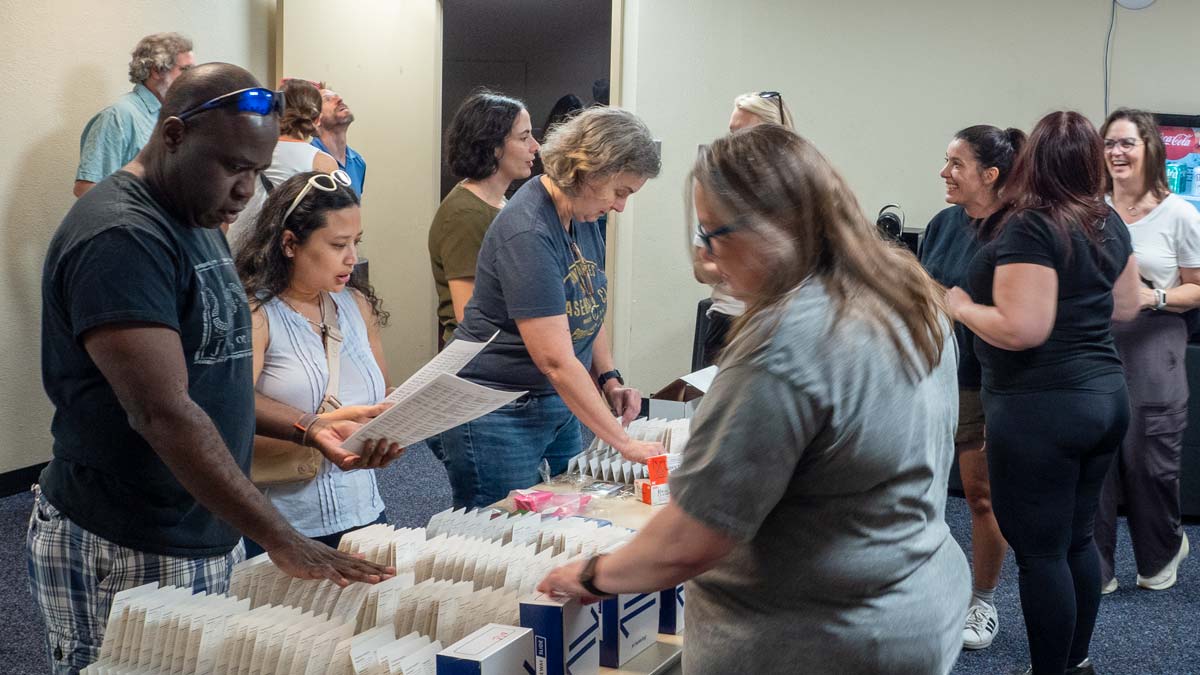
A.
x: 535, y: 50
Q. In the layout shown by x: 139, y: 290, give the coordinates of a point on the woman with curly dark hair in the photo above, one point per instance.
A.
x: 489, y: 144
x: 317, y: 347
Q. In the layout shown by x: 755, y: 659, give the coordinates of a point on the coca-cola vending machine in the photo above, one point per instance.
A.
x: 1181, y: 136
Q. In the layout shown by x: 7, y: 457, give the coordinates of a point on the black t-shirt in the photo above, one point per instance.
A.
x: 951, y: 240
x: 119, y: 257
x: 1080, y: 346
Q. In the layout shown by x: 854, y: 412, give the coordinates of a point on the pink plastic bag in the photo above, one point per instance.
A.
x: 550, y: 503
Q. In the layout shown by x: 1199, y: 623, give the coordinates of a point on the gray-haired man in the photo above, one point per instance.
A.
x: 115, y: 135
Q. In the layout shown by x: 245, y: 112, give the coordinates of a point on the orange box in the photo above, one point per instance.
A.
x: 654, y: 495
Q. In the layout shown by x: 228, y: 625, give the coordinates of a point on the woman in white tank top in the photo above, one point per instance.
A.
x: 293, y: 153
x: 296, y: 267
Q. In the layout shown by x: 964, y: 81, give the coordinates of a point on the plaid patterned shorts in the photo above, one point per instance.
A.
x: 74, y: 574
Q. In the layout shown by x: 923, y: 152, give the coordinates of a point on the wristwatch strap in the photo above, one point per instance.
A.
x: 301, y: 427
x: 609, y: 375
x: 588, y: 574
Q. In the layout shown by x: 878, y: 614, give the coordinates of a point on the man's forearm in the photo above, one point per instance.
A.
x: 275, y: 419
x: 192, y: 448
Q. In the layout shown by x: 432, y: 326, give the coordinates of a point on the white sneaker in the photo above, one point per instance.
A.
x: 1166, y: 578
x: 1109, y: 587
x: 982, y: 625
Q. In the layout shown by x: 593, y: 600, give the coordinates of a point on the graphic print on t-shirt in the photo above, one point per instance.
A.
x: 223, y: 339
x: 586, y: 303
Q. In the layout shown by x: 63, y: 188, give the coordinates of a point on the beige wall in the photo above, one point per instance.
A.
x: 880, y: 86
x: 60, y: 62
x: 384, y: 58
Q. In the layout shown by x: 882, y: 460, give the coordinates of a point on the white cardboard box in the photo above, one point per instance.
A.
x: 681, y: 398
x: 628, y: 625
x: 492, y: 650
x: 670, y: 611
x: 566, y: 635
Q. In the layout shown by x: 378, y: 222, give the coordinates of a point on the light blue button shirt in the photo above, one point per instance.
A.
x: 115, y: 135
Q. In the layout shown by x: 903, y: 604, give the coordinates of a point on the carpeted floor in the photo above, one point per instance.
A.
x: 1139, y: 632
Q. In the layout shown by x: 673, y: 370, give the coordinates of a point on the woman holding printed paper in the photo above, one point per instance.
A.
x: 808, y: 513
x: 543, y: 253
x: 317, y: 347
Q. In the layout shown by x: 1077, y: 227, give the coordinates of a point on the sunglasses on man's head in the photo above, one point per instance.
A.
x: 254, y: 100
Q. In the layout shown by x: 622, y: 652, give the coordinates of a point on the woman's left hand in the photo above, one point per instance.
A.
x: 564, y: 581
x: 626, y: 402
x: 956, y: 300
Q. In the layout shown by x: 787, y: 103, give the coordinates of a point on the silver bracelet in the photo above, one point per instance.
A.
x: 1160, y: 299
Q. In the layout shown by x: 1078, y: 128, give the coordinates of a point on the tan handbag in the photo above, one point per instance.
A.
x: 277, y: 461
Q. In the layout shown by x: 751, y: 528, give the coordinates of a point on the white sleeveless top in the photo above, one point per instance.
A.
x: 288, y: 159
x: 295, y: 372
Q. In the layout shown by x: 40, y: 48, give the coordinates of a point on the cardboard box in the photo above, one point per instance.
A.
x: 681, y: 398
x: 652, y: 494
x: 670, y: 610
x: 628, y: 625
x: 491, y: 650
x: 566, y: 635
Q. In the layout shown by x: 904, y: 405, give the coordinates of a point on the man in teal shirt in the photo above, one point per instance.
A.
x: 115, y: 135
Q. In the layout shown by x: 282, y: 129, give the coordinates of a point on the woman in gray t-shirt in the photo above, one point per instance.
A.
x: 808, y: 513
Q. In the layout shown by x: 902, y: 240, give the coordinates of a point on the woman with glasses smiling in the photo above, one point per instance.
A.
x: 1165, y: 230
x: 317, y: 347
x: 808, y: 513
x: 540, y: 288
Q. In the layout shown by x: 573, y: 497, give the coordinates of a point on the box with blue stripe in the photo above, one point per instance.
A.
x: 492, y: 650
x: 566, y: 635
x: 628, y: 625
x: 670, y: 610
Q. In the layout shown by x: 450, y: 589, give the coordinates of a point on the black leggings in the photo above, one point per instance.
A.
x: 1048, y: 453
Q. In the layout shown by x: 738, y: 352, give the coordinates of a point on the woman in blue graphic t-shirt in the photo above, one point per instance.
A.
x: 540, y: 288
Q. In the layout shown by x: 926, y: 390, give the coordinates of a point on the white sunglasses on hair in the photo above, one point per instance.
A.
x: 326, y: 182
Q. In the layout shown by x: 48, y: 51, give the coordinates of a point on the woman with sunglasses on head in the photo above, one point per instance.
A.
x: 1043, y: 292
x: 293, y: 154
x: 1166, y: 240
x: 489, y: 145
x: 540, y: 285
x: 978, y: 162
x: 808, y: 513
x: 314, y: 326
x: 764, y: 107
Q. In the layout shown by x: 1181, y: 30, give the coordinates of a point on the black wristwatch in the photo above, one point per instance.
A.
x: 589, y: 573
x: 610, y: 375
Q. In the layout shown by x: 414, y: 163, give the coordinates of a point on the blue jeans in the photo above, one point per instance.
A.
x: 501, y: 451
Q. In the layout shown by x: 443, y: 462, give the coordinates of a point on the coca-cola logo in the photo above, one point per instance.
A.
x: 1179, y: 141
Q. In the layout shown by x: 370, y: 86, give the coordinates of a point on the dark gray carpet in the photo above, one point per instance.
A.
x: 1139, y: 632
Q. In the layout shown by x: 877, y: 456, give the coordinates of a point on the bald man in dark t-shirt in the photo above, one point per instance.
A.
x: 147, y: 359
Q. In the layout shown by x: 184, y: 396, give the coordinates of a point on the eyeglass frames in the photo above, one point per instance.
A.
x: 254, y: 99
x: 778, y: 102
x: 326, y: 182
x: 1125, y: 144
x: 707, y: 237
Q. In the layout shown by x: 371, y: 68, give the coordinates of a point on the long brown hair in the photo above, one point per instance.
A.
x: 1154, y: 160
x: 778, y: 185
x: 1060, y: 175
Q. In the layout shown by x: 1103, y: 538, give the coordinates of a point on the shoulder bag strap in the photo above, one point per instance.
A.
x: 331, y: 336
